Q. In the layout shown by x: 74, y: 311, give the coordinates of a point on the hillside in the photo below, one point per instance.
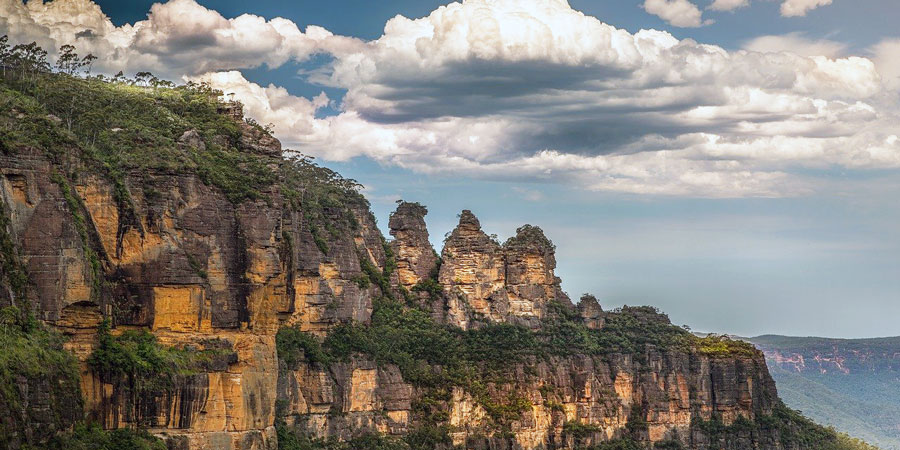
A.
x: 186, y: 282
x: 851, y: 384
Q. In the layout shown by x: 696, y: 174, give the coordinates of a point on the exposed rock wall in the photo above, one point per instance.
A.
x: 183, y: 261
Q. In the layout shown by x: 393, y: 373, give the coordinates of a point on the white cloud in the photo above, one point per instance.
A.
x: 178, y: 38
x: 728, y: 5
x: 797, y: 44
x: 292, y: 116
x: 526, y: 90
x: 680, y: 13
x: 794, y: 8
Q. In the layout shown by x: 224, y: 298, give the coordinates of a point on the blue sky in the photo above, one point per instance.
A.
x: 746, y: 186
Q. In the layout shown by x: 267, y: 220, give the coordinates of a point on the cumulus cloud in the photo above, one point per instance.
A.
x: 294, y: 116
x: 794, y: 8
x: 728, y: 5
x: 178, y: 38
x: 526, y: 90
x: 680, y: 13
x: 797, y: 44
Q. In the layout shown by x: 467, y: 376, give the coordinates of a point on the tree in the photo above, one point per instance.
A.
x: 4, y: 52
x: 68, y: 60
x: 31, y: 58
x: 88, y: 62
x: 143, y: 78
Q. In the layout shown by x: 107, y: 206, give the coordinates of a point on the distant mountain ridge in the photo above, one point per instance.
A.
x: 851, y: 384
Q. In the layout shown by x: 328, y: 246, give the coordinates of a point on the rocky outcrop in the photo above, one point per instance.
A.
x: 416, y: 259
x: 590, y: 311
x: 472, y: 274
x: 484, y: 281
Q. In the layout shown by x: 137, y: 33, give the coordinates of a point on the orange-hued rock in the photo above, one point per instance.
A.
x: 177, y: 308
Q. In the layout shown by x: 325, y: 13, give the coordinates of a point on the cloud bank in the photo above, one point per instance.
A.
x: 530, y: 90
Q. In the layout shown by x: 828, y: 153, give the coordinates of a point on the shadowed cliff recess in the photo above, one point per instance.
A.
x: 168, y: 275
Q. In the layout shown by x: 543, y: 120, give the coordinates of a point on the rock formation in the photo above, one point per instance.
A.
x: 590, y: 311
x: 485, y: 281
x: 220, y: 274
x: 416, y: 260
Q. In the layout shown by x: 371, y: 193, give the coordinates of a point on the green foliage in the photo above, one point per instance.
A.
x: 580, y: 430
x: 295, y: 346
x: 362, y: 281
x: 12, y: 274
x: 797, y: 430
x: 428, y: 437
x: 92, y: 437
x: 197, y: 266
x: 793, y: 429
x: 380, y: 278
x: 289, y: 440
x: 431, y: 286
x: 862, y: 400
x: 718, y: 346
x: 390, y: 262
x: 35, y: 353
x: 422, y: 438
x: 434, y: 357
x: 618, y: 444
x: 628, y: 330
x: 530, y: 236
x: 321, y: 243
x: 326, y: 199
x: 637, y: 424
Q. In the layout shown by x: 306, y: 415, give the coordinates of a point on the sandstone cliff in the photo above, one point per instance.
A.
x: 222, y: 296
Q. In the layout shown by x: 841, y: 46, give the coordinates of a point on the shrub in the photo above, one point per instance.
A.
x: 295, y: 346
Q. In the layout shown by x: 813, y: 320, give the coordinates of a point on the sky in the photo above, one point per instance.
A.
x: 735, y: 163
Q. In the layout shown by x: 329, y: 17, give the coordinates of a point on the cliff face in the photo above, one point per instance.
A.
x: 208, y: 312
x: 195, y: 269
